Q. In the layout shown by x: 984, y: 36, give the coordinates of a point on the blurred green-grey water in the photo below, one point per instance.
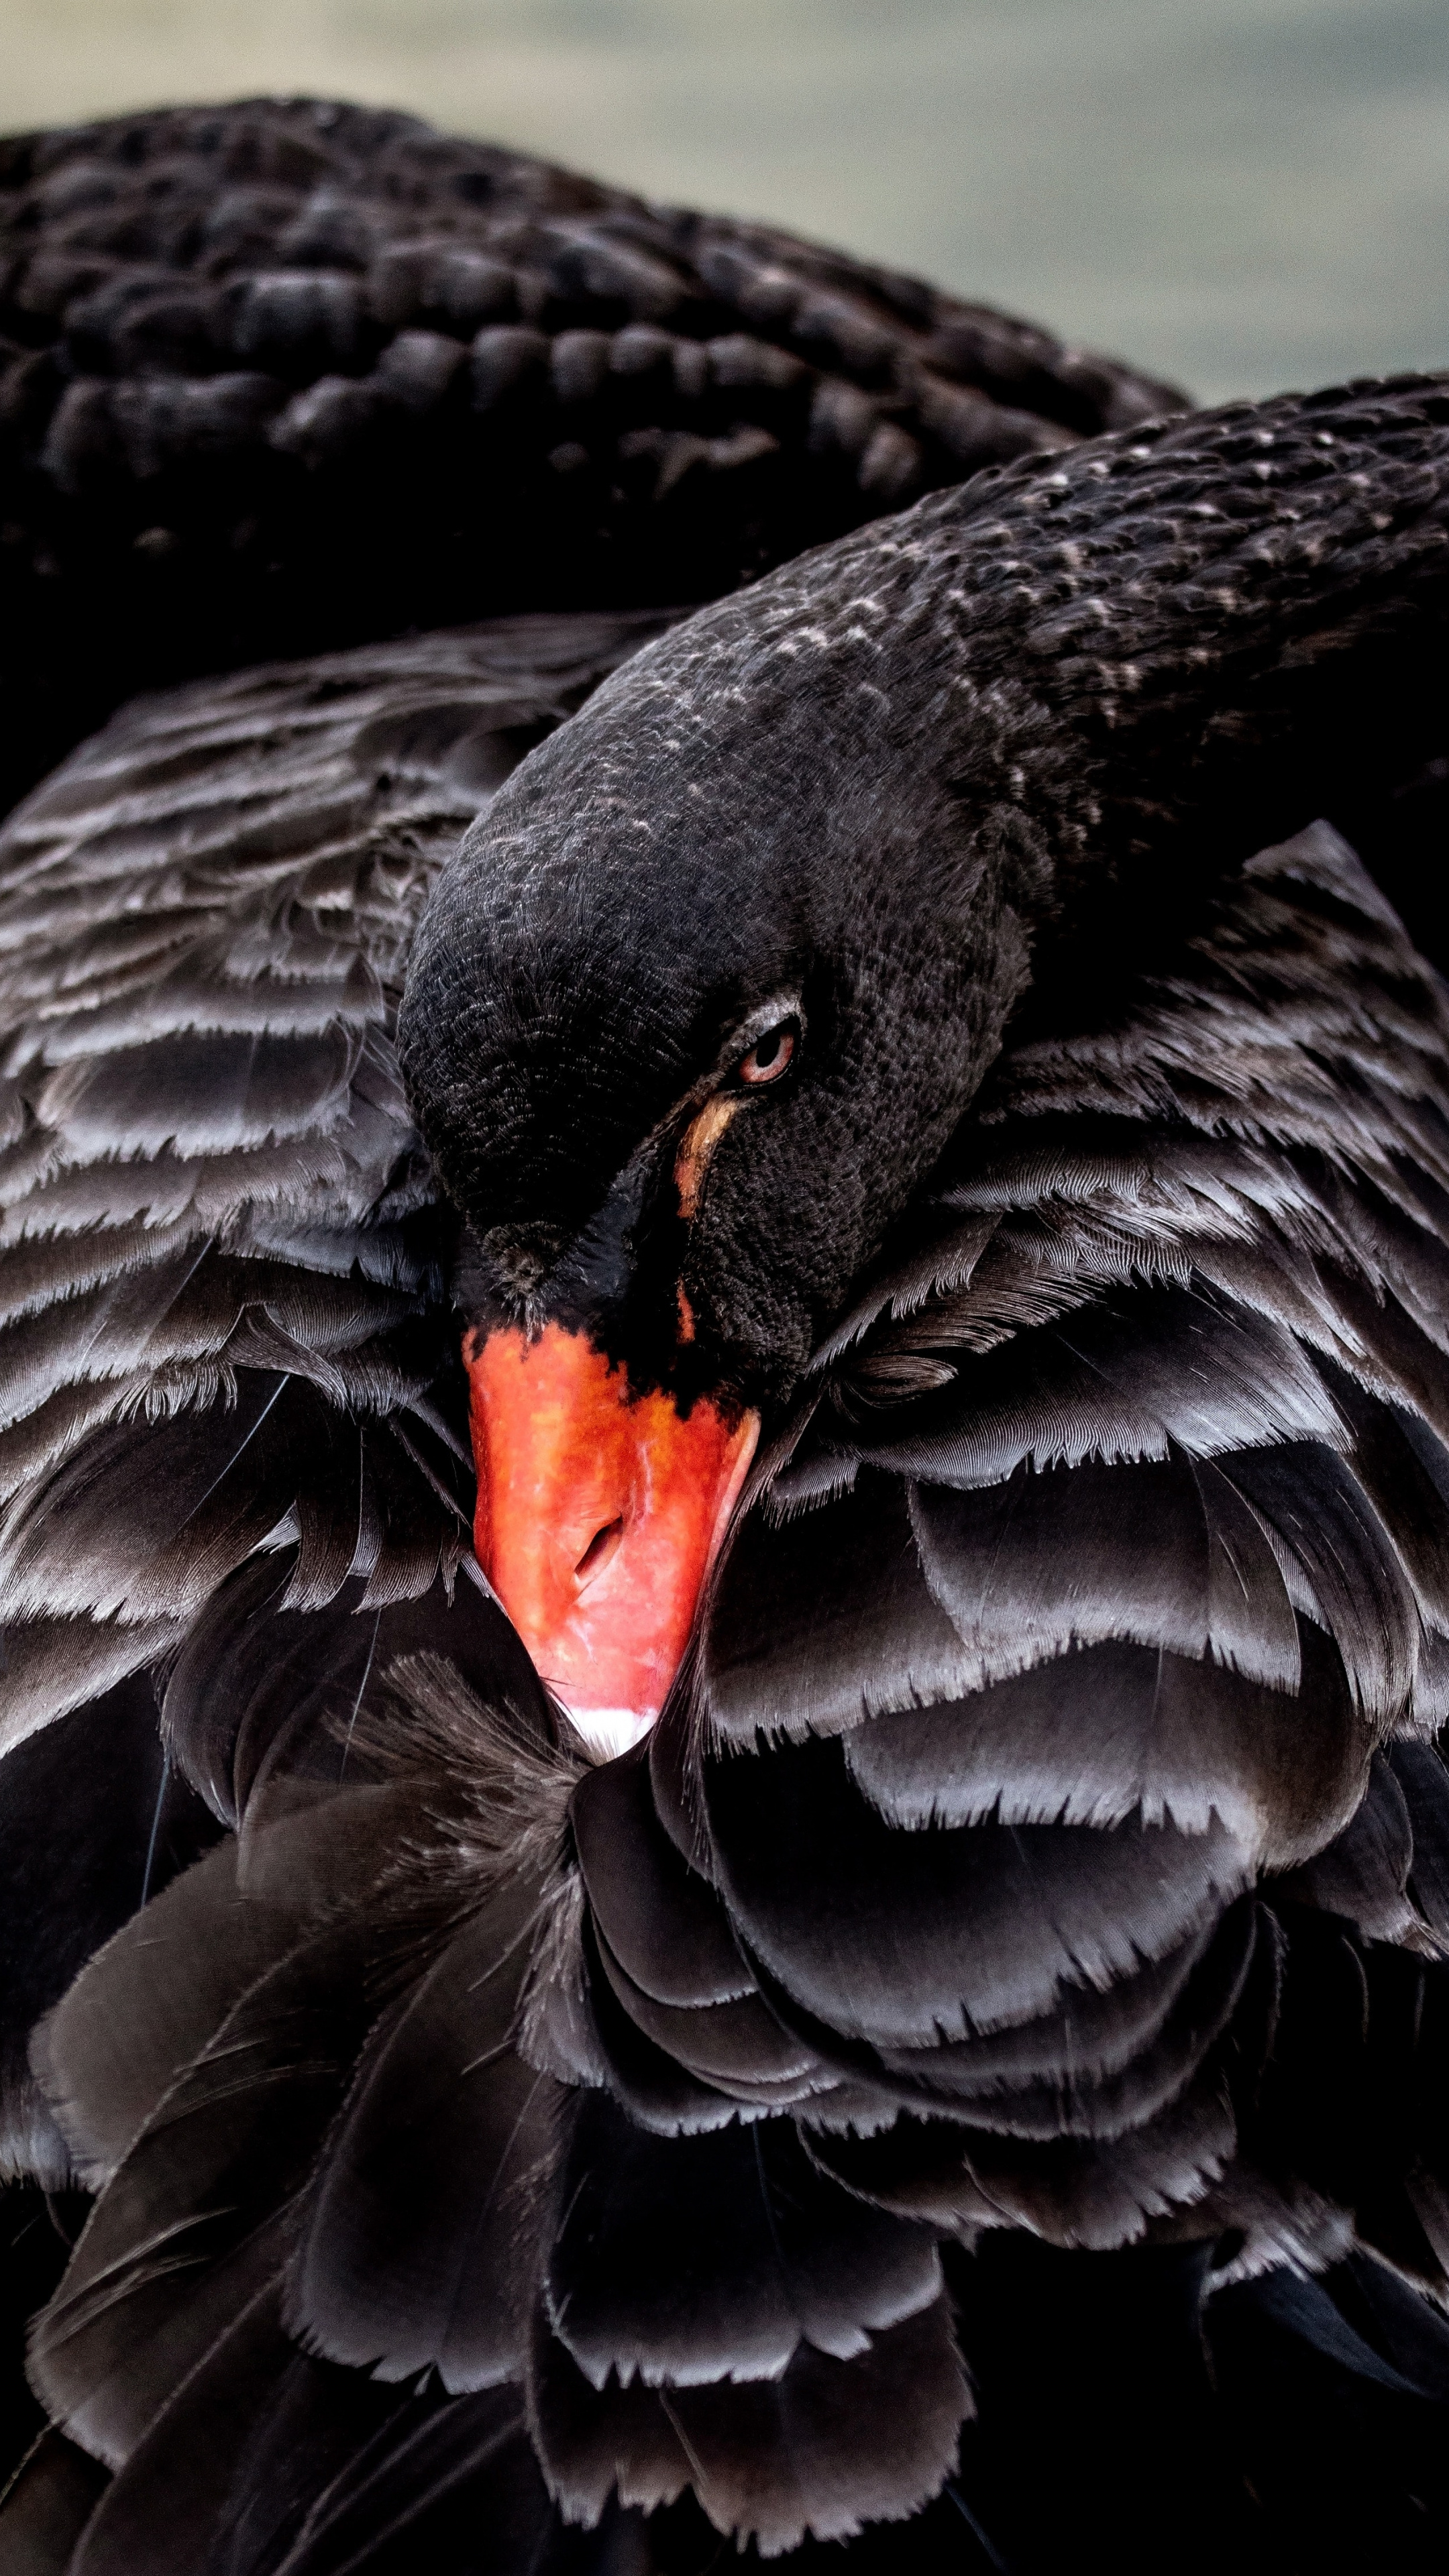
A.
x: 1239, y: 193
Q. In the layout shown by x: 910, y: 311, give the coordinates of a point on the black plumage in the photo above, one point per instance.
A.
x: 1000, y: 2012
x: 228, y: 333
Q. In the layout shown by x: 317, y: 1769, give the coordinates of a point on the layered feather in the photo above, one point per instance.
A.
x: 1045, y: 1838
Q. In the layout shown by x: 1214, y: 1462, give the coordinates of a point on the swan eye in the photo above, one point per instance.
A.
x: 770, y: 1054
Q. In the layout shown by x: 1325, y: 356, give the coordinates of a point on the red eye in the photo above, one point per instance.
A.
x: 769, y: 1055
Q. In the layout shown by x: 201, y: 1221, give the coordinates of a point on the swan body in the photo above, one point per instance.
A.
x: 288, y: 375
x: 966, y: 2080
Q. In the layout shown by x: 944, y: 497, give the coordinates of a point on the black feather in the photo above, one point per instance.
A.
x: 417, y: 2248
x: 1364, y: 1872
x: 789, y: 2261
x: 129, y: 1825
x: 909, y: 1938
x: 824, y: 2449
x: 662, y: 1921
x: 1094, y: 1736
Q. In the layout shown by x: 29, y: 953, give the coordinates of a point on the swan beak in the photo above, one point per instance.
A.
x: 600, y: 1514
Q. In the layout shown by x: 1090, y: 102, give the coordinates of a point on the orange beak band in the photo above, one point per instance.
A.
x: 599, y: 1517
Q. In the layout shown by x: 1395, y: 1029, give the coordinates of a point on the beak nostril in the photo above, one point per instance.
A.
x: 598, y: 1552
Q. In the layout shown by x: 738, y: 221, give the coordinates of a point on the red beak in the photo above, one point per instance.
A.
x: 599, y: 1516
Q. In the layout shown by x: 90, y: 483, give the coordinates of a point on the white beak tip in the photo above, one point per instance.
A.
x: 610, y: 1731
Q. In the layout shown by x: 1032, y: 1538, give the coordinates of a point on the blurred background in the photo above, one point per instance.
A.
x: 1241, y: 194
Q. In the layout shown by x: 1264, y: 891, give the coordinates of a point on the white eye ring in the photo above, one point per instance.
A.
x: 771, y: 1054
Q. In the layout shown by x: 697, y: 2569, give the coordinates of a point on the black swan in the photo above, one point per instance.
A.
x: 919, y: 1154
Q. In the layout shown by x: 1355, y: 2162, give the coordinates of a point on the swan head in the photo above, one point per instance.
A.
x: 690, y: 1016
